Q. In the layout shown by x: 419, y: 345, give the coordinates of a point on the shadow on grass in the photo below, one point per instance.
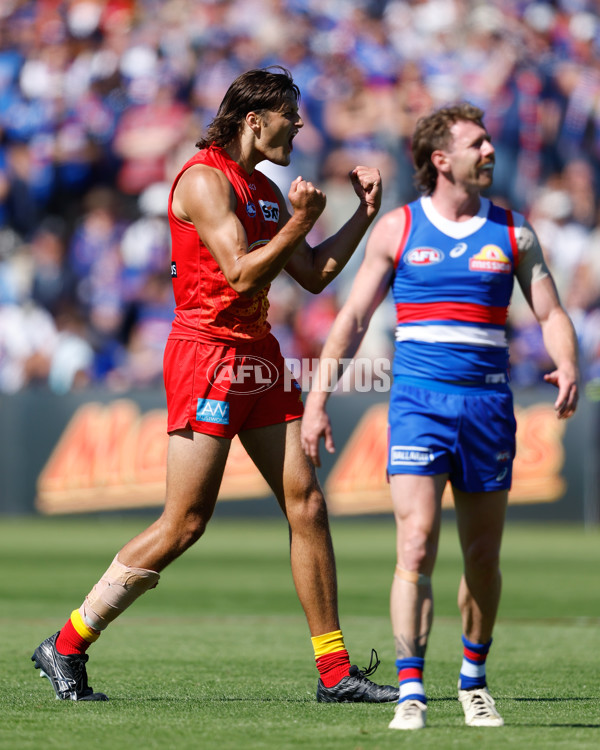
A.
x: 213, y: 699
x: 549, y: 700
x: 570, y: 725
x: 518, y: 700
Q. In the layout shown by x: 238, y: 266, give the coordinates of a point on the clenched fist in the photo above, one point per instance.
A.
x: 305, y: 198
x: 366, y: 182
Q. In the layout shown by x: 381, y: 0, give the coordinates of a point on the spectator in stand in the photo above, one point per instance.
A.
x: 29, y: 177
x: 52, y: 281
x: 72, y: 356
x: 141, y: 364
x: 4, y: 188
x: 563, y: 240
x: 95, y: 257
x: 84, y: 84
x: 146, y: 134
x: 146, y: 242
x: 27, y: 342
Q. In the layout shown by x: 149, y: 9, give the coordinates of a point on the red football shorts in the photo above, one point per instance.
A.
x: 220, y: 389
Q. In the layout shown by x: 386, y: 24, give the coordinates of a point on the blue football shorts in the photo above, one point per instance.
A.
x: 467, y: 433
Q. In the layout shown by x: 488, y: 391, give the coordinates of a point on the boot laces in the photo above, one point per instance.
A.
x: 482, y: 703
x: 367, y: 671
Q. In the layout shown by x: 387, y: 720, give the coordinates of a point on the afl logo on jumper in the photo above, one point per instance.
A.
x: 173, y: 270
x: 423, y: 256
x: 251, y: 210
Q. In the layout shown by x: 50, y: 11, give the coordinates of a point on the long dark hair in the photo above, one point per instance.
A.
x: 253, y: 91
x: 432, y: 133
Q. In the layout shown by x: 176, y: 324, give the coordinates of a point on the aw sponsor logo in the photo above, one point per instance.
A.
x: 211, y: 410
x: 243, y: 374
x: 424, y: 256
x: 490, y: 259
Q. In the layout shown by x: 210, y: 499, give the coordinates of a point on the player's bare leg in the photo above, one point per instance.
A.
x: 194, y: 470
x: 195, y: 466
x: 417, y: 510
x: 277, y: 452
x: 480, y: 518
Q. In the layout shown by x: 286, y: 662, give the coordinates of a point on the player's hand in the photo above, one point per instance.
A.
x: 306, y: 199
x: 568, y: 392
x: 315, y: 425
x: 366, y: 182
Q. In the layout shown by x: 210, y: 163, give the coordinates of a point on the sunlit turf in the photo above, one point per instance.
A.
x: 219, y: 656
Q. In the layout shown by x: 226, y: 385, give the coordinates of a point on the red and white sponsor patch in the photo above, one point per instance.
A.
x: 491, y: 259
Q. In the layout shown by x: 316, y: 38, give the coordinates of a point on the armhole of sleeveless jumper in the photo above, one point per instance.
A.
x: 512, y: 235
x: 405, y: 233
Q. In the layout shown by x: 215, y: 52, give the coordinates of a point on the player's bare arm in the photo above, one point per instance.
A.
x: 369, y: 289
x: 559, y: 335
x: 205, y: 197
x: 314, y: 268
x: 560, y: 341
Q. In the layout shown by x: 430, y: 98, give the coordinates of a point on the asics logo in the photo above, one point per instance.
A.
x: 458, y: 250
x: 65, y: 685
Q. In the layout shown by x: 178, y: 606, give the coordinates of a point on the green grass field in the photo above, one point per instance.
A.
x: 219, y: 656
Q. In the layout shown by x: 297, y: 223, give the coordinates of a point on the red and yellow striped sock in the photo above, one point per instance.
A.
x: 75, y: 637
x: 331, y: 657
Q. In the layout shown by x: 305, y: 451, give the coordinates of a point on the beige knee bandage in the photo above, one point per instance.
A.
x: 408, y: 575
x: 119, y: 587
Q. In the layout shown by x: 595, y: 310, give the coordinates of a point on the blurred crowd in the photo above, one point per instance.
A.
x: 101, y: 102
